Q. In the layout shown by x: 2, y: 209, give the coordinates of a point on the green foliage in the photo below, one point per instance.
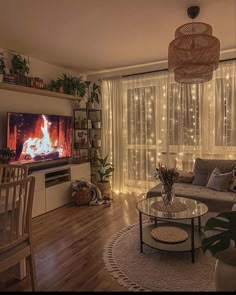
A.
x: 6, y: 154
x: 19, y: 65
x: 71, y: 85
x: 226, y: 221
x: 95, y: 92
x: 2, y: 63
x: 105, y: 170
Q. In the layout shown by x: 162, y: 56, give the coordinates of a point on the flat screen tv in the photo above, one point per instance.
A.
x: 39, y: 137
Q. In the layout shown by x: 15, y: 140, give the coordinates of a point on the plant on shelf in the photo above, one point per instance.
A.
x: 221, y: 242
x: 97, y: 122
x: 2, y: 66
x: 20, y: 65
x: 72, y: 85
x: 6, y: 155
x: 104, y: 172
x: 94, y: 95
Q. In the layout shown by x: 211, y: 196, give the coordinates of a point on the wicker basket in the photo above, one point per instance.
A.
x: 83, y: 196
x: 104, y: 187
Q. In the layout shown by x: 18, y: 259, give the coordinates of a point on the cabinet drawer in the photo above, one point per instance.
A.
x: 39, y: 181
x: 39, y: 204
x: 58, y: 195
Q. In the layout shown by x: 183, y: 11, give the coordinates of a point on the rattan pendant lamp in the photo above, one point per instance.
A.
x: 194, y: 53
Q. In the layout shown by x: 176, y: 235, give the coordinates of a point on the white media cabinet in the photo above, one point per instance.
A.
x: 53, y: 187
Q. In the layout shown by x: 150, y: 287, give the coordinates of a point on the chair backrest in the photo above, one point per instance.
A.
x: 10, y: 172
x: 16, y: 200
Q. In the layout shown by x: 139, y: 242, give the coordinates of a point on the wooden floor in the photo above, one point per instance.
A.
x: 68, y: 244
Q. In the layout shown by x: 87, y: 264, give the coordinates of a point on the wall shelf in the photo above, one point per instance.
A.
x: 37, y: 91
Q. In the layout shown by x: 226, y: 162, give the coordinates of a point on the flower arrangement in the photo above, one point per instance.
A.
x: 167, y: 176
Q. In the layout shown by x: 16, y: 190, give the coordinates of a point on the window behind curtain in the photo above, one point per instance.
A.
x: 225, y: 111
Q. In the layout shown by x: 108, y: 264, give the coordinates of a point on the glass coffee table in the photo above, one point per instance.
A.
x: 167, y: 233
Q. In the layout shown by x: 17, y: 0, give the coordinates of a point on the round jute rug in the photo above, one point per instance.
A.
x: 155, y: 270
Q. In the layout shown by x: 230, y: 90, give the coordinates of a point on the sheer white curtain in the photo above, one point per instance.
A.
x: 112, y: 133
x: 149, y: 119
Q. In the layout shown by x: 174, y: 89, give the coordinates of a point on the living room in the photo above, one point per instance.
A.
x: 94, y: 93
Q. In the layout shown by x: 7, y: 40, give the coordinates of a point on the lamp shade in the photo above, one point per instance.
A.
x: 194, y: 53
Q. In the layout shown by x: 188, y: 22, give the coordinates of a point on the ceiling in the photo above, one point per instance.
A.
x: 94, y: 35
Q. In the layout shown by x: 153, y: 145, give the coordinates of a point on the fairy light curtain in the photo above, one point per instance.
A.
x: 149, y: 119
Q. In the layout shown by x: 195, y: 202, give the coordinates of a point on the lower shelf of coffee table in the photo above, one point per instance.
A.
x: 180, y: 246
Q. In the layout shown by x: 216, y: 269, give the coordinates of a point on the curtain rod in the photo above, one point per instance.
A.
x: 156, y: 71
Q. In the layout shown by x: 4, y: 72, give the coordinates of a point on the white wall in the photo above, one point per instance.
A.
x: 148, y: 67
x: 11, y: 101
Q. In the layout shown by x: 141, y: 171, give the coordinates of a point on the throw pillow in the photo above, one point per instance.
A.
x: 218, y: 181
x: 185, y: 177
x: 201, y: 172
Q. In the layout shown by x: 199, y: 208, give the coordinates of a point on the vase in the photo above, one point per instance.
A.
x: 168, y: 194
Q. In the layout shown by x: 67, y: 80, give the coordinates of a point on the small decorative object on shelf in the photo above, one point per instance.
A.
x: 167, y: 176
x: 96, y: 141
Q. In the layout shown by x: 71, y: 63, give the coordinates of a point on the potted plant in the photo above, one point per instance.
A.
x: 72, y: 85
x: 94, y: 96
x: 222, y: 245
x: 104, y: 172
x: 6, y: 155
x: 20, y: 68
x: 2, y: 66
x: 97, y: 122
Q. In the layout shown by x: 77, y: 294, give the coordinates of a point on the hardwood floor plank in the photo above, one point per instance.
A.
x: 68, y: 245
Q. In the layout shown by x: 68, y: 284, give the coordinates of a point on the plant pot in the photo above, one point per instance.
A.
x: 97, y: 125
x: 90, y: 105
x: 97, y: 143
x: 105, y: 188
x: 225, y: 271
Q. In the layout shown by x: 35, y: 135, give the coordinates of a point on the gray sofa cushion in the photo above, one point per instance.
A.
x: 204, y: 167
x: 215, y: 200
x: 219, y: 181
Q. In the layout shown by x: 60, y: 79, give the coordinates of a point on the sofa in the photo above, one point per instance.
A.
x: 199, y: 184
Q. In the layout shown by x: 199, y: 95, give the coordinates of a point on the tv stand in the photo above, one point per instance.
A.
x: 47, y: 164
x: 53, y: 186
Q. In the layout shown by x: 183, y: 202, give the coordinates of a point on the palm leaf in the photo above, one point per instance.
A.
x: 226, y: 222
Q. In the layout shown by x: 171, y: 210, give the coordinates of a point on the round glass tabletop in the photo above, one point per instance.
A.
x: 193, y: 208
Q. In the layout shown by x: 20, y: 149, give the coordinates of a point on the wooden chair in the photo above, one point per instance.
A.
x: 10, y: 172
x: 16, y: 197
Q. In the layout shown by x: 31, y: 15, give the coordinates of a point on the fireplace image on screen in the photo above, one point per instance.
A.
x: 39, y: 137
